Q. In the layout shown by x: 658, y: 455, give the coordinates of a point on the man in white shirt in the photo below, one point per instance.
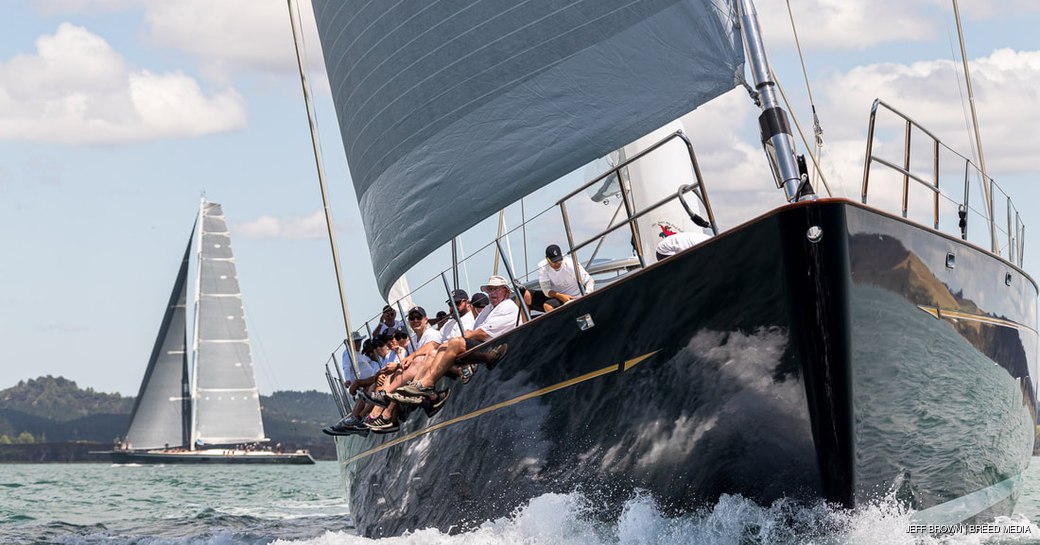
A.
x: 422, y: 334
x: 383, y: 418
x: 557, y: 280
x: 388, y: 323
x: 496, y: 319
x: 450, y: 328
x: 364, y: 364
x: 416, y: 363
x: 678, y: 241
x: 367, y: 369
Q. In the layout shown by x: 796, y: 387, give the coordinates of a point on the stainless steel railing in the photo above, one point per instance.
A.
x: 1007, y: 243
x: 632, y: 214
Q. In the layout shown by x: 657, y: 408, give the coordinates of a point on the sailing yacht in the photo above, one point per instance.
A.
x: 827, y: 349
x: 209, y: 413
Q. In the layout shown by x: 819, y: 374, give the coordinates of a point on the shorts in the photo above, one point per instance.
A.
x: 472, y: 343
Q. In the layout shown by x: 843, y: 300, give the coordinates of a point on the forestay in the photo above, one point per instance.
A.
x: 450, y: 110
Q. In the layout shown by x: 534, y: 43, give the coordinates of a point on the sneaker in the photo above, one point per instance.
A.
x: 434, y: 406
x: 497, y: 353
x: 383, y: 425
x: 334, y: 431
x: 466, y: 372
x: 412, y: 394
x: 393, y: 428
x: 376, y: 398
x: 348, y: 426
x: 404, y: 400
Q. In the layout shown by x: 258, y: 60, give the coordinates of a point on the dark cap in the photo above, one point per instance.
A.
x: 417, y: 310
x: 388, y: 308
x: 480, y: 300
x: 553, y: 253
x: 458, y: 296
x: 441, y: 314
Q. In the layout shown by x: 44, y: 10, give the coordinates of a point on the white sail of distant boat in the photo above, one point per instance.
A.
x: 222, y: 405
x: 162, y: 409
x: 226, y: 400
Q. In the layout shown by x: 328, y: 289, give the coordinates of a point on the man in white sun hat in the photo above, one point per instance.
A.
x: 497, y: 318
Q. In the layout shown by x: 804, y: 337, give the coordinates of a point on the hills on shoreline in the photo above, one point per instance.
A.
x: 52, y: 409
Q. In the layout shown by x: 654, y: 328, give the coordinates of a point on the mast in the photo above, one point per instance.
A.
x: 777, y: 137
x: 978, y: 134
x: 324, y: 191
x: 194, y: 380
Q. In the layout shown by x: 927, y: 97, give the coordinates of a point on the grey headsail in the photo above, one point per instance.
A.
x: 452, y: 109
x: 161, y: 411
x: 227, y: 403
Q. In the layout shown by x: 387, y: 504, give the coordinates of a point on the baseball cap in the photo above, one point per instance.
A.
x: 480, y: 300
x: 458, y: 296
x: 553, y: 253
x: 417, y: 310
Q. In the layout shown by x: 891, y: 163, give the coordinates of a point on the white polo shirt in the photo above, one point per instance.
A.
x: 562, y: 281
x: 383, y: 329
x: 430, y: 335
x: 451, y: 327
x: 366, y: 367
x: 497, y: 320
x: 680, y: 241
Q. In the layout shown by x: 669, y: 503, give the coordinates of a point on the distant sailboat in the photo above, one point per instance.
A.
x: 206, y: 414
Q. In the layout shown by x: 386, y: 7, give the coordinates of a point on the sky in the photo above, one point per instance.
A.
x: 116, y: 116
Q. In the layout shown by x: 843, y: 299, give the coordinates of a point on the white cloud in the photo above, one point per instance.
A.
x: 226, y: 37
x: 1007, y: 88
x: 76, y: 89
x: 311, y: 226
x: 1007, y: 97
x: 842, y: 24
x: 61, y: 7
x: 231, y: 34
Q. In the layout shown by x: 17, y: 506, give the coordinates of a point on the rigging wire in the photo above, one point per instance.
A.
x: 315, y: 141
x: 817, y: 128
x: 964, y: 109
x: 801, y: 133
x: 523, y: 224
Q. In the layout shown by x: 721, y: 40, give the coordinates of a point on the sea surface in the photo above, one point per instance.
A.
x: 106, y: 504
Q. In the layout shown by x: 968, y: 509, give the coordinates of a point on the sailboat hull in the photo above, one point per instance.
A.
x: 210, y: 456
x: 764, y: 362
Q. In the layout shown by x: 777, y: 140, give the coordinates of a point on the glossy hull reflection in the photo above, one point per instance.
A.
x: 759, y: 363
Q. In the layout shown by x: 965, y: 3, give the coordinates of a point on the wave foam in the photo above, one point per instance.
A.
x: 560, y: 519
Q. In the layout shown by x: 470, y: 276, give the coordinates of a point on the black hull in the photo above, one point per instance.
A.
x: 158, y: 457
x: 758, y: 363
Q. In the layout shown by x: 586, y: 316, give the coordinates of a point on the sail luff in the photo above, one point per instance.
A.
x: 195, y: 327
x: 153, y: 422
x: 444, y: 110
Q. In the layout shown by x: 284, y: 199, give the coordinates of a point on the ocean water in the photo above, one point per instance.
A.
x: 87, y: 504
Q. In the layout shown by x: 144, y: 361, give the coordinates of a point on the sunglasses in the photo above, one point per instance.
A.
x: 410, y: 318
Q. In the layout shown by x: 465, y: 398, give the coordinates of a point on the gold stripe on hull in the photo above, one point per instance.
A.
x: 509, y: 402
